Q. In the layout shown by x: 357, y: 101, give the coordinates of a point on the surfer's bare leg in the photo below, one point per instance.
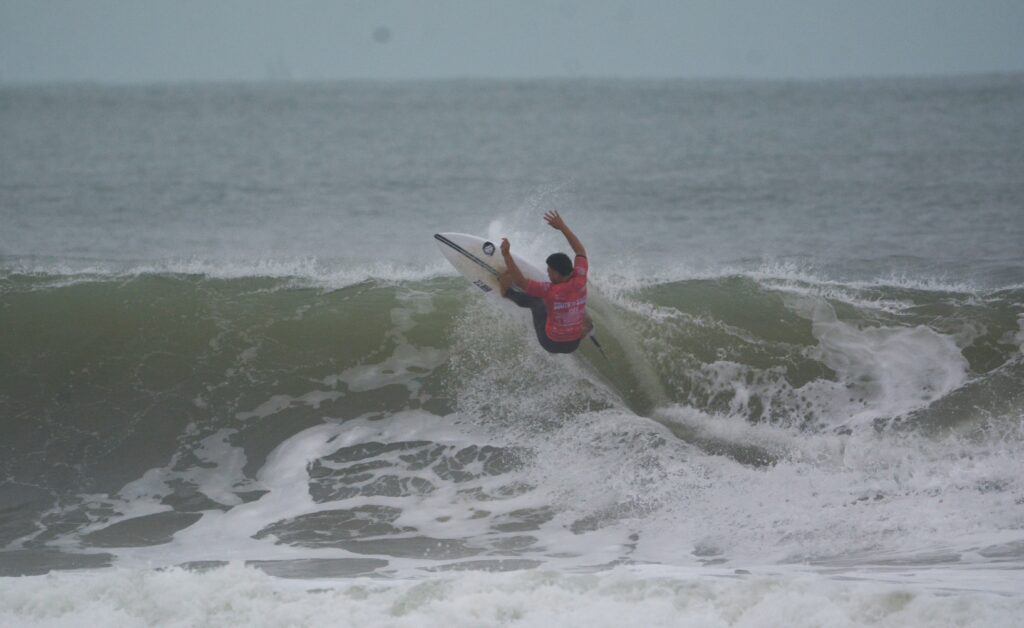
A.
x: 504, y: 282
x: 588, y: 326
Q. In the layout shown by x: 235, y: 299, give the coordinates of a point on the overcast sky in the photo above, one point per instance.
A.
x: 211, y: 40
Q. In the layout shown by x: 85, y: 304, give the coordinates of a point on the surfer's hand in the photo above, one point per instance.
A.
x: 505, y: 246
x: 554, y: 220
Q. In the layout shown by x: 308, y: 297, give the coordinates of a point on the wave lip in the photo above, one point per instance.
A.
x: 309, y: 270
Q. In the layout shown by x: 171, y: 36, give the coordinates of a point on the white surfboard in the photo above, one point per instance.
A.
x: 480, y: 260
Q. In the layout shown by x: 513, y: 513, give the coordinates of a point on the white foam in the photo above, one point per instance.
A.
x: 404, y: 366
x: 242, y: 596
x: 1019, y: 337
x: 309, y: 270
x: 407, y: 363
x: 219, y: 477
x: 804, y: 274
x: 277, y: 403
x: 892, y: 370
x: 844, y: 294
x: 630, y: 276
x: 838, y: 500
x: 286, y: 476
x: 223, y: 473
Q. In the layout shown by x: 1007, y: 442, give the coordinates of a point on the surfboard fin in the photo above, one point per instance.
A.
x: 597, y: 344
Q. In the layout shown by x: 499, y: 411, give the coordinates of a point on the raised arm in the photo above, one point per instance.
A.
x: 514, y: 273
x: 556, y: 222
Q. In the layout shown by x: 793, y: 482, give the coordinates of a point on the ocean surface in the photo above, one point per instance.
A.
x: 240, y: 386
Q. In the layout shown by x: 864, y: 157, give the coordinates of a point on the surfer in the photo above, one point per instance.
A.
x: 559, y: 306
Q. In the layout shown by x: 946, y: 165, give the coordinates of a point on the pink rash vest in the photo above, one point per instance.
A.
x: 566, y: 302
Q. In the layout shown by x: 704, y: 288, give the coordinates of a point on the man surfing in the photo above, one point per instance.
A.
x: 559, y: 307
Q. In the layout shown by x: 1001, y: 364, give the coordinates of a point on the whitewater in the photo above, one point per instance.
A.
x: 239, y: 385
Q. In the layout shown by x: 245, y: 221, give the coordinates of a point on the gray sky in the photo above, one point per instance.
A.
x: 209, y: 40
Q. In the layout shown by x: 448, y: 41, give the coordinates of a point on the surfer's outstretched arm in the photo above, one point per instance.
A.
x: 514, y: 274
x: 556, y: 222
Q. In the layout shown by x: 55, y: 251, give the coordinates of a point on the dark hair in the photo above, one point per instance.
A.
x: 560, y: 263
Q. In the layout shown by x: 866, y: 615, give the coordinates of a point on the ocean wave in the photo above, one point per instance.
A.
x: 821, y: 354
x: 414, y: 423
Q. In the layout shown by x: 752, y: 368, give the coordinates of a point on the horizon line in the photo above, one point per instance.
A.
x: 472, y: 78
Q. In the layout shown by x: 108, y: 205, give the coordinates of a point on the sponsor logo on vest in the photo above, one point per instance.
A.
x: 563, y: 305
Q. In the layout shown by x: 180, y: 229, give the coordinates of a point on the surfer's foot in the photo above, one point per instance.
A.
x: 504, y: 281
